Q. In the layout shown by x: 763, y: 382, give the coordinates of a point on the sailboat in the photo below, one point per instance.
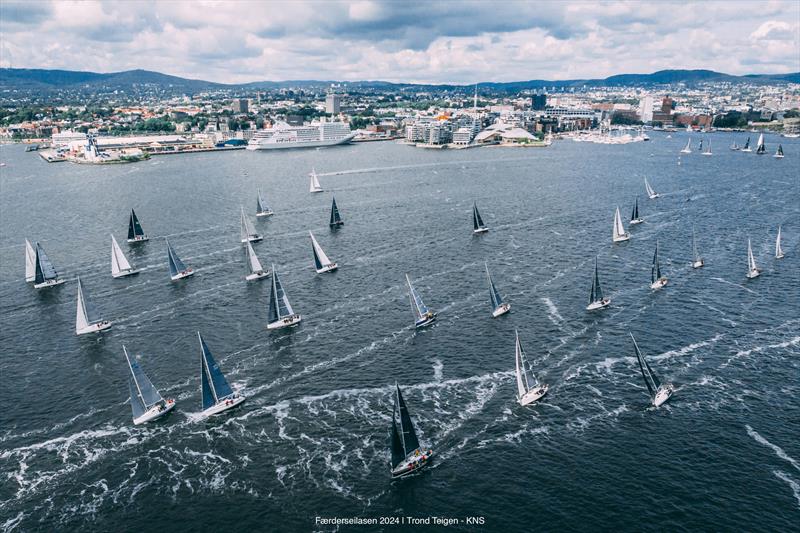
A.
x: 746, y: 147
x: 635, y: 214
x: 700, y: 146
x: 336, y: 219
x: 30, y: 262
x: 650, y: 192
x: 528, y: 387
x: 778, y: 249
x: 734, y: 146
x: 135, y: 231
x: 596, y: 298
x: 657, y: 281
x: 752, y: 269
x: 217, y: 394
x: 658, y: 393
x: 477, y: 222
x: 120, y: 267
x: 280, y: 314
x: 697, y: 261
x: 248, y: 232
x: 761, y: 148
x: 619, y: 234
x: 314, y: 186
x: 779, y: 152
x: 407, y: 456
x: 499, y: 307
x: 708, y: 150
x: 321, y: 261
x: 422, y: 315
x: 688, y: 148
x: 45, y: 275
x: 262, y: 209
x: 84, y: 320
x: 177, y: 270
x: 254, y: 268
x: 147, y: 404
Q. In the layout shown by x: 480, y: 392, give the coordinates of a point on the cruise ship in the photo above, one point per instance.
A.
x: 282, y: 135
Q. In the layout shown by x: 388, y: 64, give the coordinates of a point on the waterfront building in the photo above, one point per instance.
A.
x: 333, y: 104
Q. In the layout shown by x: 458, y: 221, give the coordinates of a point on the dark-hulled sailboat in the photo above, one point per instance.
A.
x: 408, y: 457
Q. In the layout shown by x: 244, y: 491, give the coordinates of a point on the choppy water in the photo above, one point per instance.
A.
x: 723, y: 454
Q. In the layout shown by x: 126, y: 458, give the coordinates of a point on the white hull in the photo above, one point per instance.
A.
x: 746, y: 150
x: 330, y: 267
x: 636, y: 221
x: 754, y: 273
x: 316, y: 190
x: 139, y: 239
x: 252, y: 238
x: 155, y: 412
x: 698, y: 264
x: 480, y: 230
x: 291, y: 320
x: 265, y: 214
x: 309, y: 144
x: 48, y: 283
x: 426, y: 321
x: 257, y: 275
x: 222, y: 406
x: 660, y: 283
x: 533, y: 395
x: 599, y: 304
x: 779, y: 256
x: 707, y: 153
x: 180, y: 275
x: 653, y: 196
x: 684, y: 151
x: 123, y: 273
x: 662, y: 395
x: 622, y: 238
x: 94, y: 328
x: 777, y: 156
x: 501, y: 310
x: 412, y: 464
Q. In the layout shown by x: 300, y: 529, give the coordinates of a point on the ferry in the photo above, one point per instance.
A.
x: 313, y: 135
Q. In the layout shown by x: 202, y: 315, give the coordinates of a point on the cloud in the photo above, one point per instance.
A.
x: 448, y: 42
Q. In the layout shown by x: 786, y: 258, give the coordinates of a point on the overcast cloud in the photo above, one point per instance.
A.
x: 438, y: 42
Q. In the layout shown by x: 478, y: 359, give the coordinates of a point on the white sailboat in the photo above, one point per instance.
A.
x: 779, y: 152
x: 596, y: 298
x: 752, y: 269
x: 635, y: 218
x: 499, y: 307
x: 45, y: 274
x: 477, y: 222
x: 761, y: 148
x: 84, y: 320
x: 657, y: 281
x: 408, y: 457
x: 659, y: 393
x: 619, y: 234
x: 147, y: 404
x: 529, y: 389
x: 120, y: 267
x: 650, y: 192
x: 217, y: 394
x: 697, y: 261
x: 778, y: 249
x: 735, y: 146
x: 30, y: 262
x: 314, y: 185
x: 262, y: 209
x: 688, y: 148
x: 177, y: 270
x: 248, y: 232
x: 422, y: 315
x: 254, y: 268
x: 708, y: 149
x: 280, y: 314
x: 321, y: 261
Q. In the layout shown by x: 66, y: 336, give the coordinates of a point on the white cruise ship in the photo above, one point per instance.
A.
x: 282, y: 135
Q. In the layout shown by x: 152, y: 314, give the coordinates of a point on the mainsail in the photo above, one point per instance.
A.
x: 597, y: 290
x: 635, y: 213
x: 760, y: 146
x: 746, y: 147
x: 405, y: 434
x: 253, y: 264
x: 134, y: 228
x: 417, y: 305
x: 497, y: 300
x: 320, y: 259
x: 279, y: 306
x: 619, y: 229
x: 650, y: 192
x: 778, y: 249
x: 655, y: 271
x: 526, y: 379
x: 82, y: 319
x: 143, y: 394
x: 44, y: 268
x: 248, y: 231
x: 30, y: 262
x: 695, y: 252
x: 336, y: 219
x: 175, y: 263
x: 261, y: 205
x: 477, y: 221
x: 650, y: 377
x: 751, y: 261
x: 215, y: 387
x: 118, y: 260
x: 314, y: 186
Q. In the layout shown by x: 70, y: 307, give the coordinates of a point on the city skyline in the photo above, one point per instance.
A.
x: 238, y: 42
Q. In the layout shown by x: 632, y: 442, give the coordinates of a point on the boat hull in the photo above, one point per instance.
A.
x: 265, y: 213
x: 686, y: 151
x: 412, y: 465
x: 533, y: 395
x: 698, y: 264
x: 426, y: 321
x: 501, y: 309
x: 336, y: 224
x: 291, y: 320
x: 94, y: 328
x: 257, y: 275
x: 750, y: 275
x: 48, y: 283
x: 316, y: 190
x: 252, y: 238
x: 155, y: 412
x: 778, y: 156
x: 123, y: 273
x: 779, y: 256
x: 180, y: 275
x: 660, y: 283
x: 636, y: 221
x: 622, y: 238
x: 223, y: 406
x: 293, y: 145
x: 135, y: 240
x: 662, y: 395
x: 479, y: 231
x: 653, y: 196
x: 330, y: 267
x: 599, y: 304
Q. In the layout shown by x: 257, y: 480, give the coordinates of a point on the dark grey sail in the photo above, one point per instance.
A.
x: 134, y: 228
x: 597, y: 289
x: 44, y: 268
x: 336, y: 219
x: 650, y: 377
x: 477, y: 221
x: 635, y: 214
x: 396, y: 443
x: 407, y: 433
x: 655, y: 271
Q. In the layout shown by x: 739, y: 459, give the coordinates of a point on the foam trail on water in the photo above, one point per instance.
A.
x: 777, y: 449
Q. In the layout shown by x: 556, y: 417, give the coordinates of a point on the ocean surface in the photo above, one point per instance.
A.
x: 312, y: 439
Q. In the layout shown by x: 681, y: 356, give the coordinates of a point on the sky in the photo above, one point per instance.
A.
x: 402, y: 41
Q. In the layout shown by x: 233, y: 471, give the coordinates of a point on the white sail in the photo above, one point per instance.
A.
x: 248, y: 231
x: 314, y: 186
x: 522, y: 379
x: 778, y: 249
x: 118, y: 260
x: 82, y: 317
x: 30, y: 262
x: 619, y: 229
x: 760, y: 142
x: 751, y: 261
x: 688, y: 148
x: 649, y: 189
x: 323, y: 259
x: 252, y: 260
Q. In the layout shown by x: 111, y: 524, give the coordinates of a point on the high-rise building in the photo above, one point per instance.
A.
x: 666, y: 105
x: 539, y: 102
x: 240, y: 105
x: 333, y: 103
x: 646, y: 109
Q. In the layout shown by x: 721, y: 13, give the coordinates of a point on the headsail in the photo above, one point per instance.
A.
x: 252, y: 260
x: 215, y: 387
x: 407, y: 434
x: 44, y: 268
x: 635, y: 213
x: 526, y: 379
x: 320, y: 259
x: 261, y: 205
x: 175, y: 263
x: 497, y: 300
x: 650, y: 377
x: 30, y: 262
x: 695, y: 252
x: 143, y: 394
x: 649, y: 189
x: 760, y: 146
x: 248, y: 231
x: 417, y: 305
x: 134, y: 227
x: 82, y: 319
x: 619, y: 229
x: 118, y: 260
